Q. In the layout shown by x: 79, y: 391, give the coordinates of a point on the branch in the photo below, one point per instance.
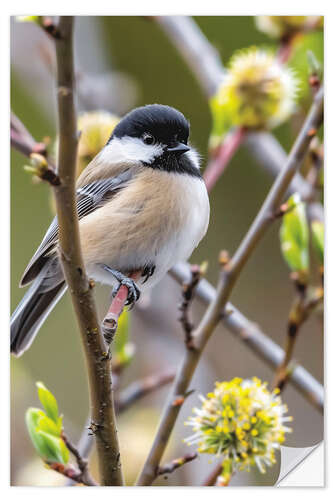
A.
x: 200, y: 55
x: 261, y: 344
x: 189, y: 287
x: 212, y: 478
x: 225, y: 152
x: 175, y: 464
x: 83, y: 476
x: 141, y: 388
x: 227, y: 281
x: 72, y: 473
x: 299, y: 313
x: 99, y: 369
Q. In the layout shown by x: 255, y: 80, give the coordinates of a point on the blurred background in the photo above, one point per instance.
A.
x: 124, y: 62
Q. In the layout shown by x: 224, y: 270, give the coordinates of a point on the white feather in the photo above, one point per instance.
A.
x: 129, y: 149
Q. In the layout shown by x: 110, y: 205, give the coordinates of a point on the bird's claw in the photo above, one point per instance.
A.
x: 147, y: 272
x: 133, y: 290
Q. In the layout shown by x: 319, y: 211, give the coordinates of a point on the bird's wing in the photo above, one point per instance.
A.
x: 89, y: 198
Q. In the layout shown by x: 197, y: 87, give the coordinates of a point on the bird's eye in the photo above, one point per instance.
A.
x: 148, y: 139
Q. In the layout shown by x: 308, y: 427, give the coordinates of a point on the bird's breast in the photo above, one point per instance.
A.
x: 159, y: 217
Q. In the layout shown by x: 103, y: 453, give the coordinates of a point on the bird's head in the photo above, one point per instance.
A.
x: 156, y: 136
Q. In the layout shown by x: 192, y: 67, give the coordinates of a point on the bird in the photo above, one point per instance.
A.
x: 142, y: 206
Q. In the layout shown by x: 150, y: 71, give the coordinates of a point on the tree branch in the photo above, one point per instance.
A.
x: 141, y: 388
x: 99, y: 370
x: 249, y: 333
x: 226, y: 284
x: 175, y: 464
x: 84, y: 474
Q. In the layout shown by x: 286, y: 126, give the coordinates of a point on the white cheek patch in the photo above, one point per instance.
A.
x: 129, y: 149
x: 194, y: 157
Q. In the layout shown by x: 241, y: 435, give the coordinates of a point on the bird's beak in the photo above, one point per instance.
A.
x: 179, y: 148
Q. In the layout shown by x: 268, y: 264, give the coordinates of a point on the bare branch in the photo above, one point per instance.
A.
x: 99, y: 369
x: 188, y: 294
x: 175, y: 464
x: 84, y: 475
x: 141, y: 388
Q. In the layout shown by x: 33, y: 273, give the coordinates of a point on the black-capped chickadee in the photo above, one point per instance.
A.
x: 142, y: 207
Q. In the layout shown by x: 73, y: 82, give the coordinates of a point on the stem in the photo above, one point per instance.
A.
x: 99, y: 370
x: 82, y: 463
x: 226, y: 151
x: 175, y: 464
x: 299, y: 313
x: 211, y: 479
x: 226, y: 284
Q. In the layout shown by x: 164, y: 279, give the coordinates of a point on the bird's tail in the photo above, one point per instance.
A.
x: 31, y: 313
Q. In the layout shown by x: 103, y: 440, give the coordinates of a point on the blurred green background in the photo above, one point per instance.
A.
x: 149, y: 69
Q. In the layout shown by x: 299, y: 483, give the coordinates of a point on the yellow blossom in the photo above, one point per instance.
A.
x: 258, y: 92
x: 241, y: 437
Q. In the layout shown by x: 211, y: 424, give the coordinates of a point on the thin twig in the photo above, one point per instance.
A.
x: 226, y: 284
x: 222, y: 157
x: 175, y: 464
x: 72, y: 473
x: 99, y: 369
x: 211, y: 479
x: 299, y: 313
x: 141, y: 388
x: 82, y: 463
x: 22, y: 140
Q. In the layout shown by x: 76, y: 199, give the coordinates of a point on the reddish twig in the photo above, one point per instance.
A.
x: 71, y: 473
x: 225, y: 152
x: 82, y: 475
x: 110, y: 321
x: 22, y: 141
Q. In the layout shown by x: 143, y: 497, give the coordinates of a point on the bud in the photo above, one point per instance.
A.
x: 284, y: 26
x: 45, y: 428
x: 258, y: 92
x: 318, y: 239
x: 294, y: 236
x: 96, y: 128
x: 30, y: 19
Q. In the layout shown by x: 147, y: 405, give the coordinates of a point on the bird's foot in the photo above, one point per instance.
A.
x: 133, y: 290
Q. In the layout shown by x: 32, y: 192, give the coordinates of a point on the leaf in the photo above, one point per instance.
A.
x: 55, y: 446
x: 294, y: 235
x: 318, y: 239
x: 47, y: 446
x: 46, y: 424
x: 48, y: 401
